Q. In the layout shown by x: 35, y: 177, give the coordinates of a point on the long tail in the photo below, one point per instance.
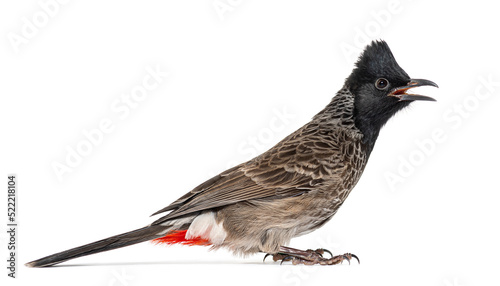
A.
x: 125, y: 239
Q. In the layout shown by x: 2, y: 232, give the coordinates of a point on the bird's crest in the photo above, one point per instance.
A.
x: 375, y: 61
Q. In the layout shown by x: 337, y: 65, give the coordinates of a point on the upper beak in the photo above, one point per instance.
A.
x: 400, y: 92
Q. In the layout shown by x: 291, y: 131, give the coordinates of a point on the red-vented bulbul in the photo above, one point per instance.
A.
x: 293, y: 188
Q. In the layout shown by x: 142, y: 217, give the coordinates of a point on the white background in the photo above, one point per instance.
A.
x: 230, y: 74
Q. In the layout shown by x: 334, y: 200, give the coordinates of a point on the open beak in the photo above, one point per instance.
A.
x: 400, y: 92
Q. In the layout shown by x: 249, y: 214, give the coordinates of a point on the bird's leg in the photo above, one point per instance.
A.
x: 309, y: 257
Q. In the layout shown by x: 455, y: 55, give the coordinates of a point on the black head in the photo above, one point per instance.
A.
x: 379, y: 86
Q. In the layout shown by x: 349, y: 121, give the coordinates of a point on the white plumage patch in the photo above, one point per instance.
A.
x: 205, y: 226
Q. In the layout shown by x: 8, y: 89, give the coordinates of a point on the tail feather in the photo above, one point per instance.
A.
x: 117, y: 241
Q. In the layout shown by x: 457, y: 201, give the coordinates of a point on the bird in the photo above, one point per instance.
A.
x: 291, y: 189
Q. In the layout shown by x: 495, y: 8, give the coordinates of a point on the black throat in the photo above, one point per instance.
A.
x: 369, y: 118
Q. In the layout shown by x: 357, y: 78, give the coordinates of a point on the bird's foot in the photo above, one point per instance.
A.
x: 309, y: 257
x: 287, y: 256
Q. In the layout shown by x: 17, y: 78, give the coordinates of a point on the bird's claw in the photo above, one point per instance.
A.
x: 311, y: 257
x: 352, y: 255
x: 286, y: 258
x: 321, y: 251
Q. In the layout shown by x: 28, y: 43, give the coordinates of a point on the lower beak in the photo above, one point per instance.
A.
x: 400, y: 92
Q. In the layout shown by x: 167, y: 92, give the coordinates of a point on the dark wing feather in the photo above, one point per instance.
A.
x: 200, y: 188
x: 294, y: 166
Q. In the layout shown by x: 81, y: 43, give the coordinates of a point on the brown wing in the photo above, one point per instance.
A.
x: 294, y: 166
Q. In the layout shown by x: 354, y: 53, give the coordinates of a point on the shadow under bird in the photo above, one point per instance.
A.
x: 293, y: 188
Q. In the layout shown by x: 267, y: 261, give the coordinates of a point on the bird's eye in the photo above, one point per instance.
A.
x: 381, y: 84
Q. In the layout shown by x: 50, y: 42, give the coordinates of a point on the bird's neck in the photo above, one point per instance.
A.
x: 344, y: 113
x: 370, y: 132
x: 339, y: 112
